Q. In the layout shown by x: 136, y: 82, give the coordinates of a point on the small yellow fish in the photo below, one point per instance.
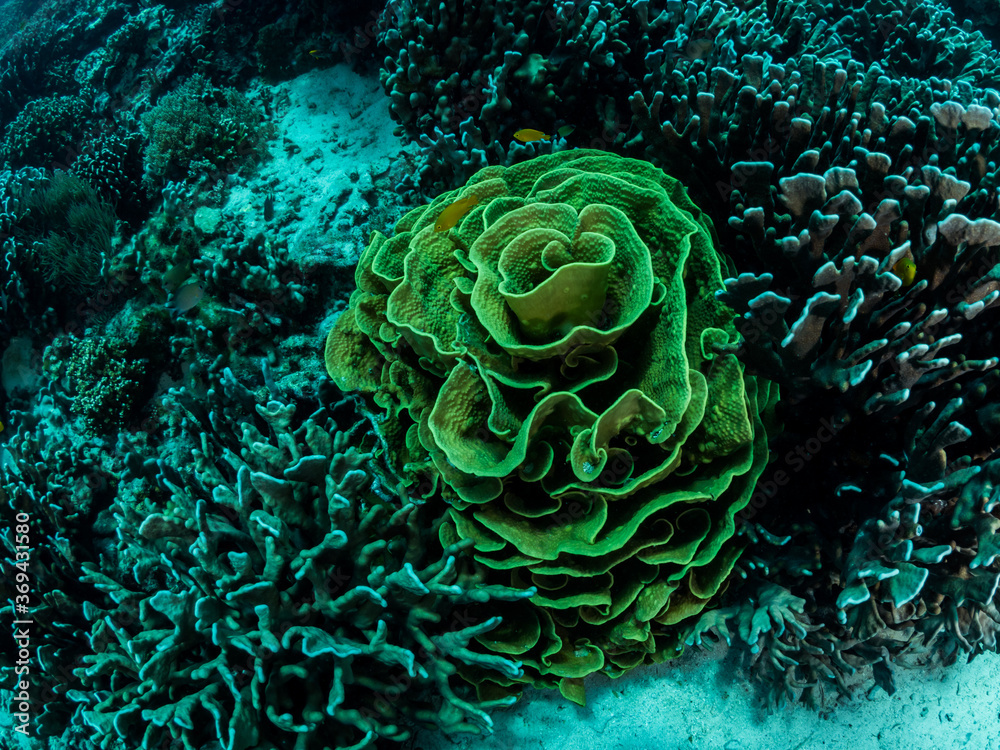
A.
x: 1, y: 426
x: 528, y: 135
x: 313, y: 52
x: 906, y: 270
x: 454, y: 211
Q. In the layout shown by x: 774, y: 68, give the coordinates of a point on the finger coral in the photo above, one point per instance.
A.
x: 837, y: 181
x: 280, y: 594
x: 52, y: 489
x: 550, y: 366
x: 536, y: 63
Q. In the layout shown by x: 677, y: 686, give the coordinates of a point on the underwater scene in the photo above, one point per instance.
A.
x: 499, y: 375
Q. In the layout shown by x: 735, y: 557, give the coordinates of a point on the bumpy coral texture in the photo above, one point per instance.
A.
x: 549, y: 365
x: 197, y: 128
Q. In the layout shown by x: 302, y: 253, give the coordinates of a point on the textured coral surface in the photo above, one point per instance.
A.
x: 707, y: 352
x: 551, y: 365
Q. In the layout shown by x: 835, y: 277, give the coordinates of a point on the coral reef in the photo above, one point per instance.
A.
x: 197, y: 128
x: 280, y: 592
x: 550, y: 365
x: 40, y: 60
x: 111, y: 161
x: 873, y: 231
x: 568, y: 455
x: 541, y: 64
x: 57, y: 246
x: 53, y: 488
x: 858, y: 204
x: 44, y: 132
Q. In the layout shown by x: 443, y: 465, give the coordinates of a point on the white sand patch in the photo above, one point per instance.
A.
x: 329, y: 166
x: 701, y: 703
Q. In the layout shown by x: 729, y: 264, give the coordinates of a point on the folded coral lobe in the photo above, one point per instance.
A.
x: 556, y: 368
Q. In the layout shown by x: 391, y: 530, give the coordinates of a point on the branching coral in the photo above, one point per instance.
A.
x: 562, y: 368
x: 44, y: 132
x: 541, y: 64
x: 550, y: 366
x: 52, y: 489
x: 111, y: 162
x: 904, y: 598
x: 868, y: 208
x: 283, y: 593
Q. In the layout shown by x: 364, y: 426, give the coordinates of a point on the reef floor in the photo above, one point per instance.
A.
x: 704, y: 701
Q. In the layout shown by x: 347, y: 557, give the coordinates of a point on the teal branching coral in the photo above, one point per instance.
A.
x: 281, y: 594
x: 463, y: 76
x: 917, y: 583
x: 823, y: 209
x: 551, y: 366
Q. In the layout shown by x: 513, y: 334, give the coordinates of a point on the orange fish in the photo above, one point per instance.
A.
x: 529, y: 135
x: 454, y: 211
x: 906, y: 270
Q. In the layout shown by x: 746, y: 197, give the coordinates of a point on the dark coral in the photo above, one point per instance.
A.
x: 111, y: 161
x: 279, y: 591
x: 57, y: 246
x: 45, y: 132
x: 53, y: 488
x: 542, y: 64
x: 835, y: 183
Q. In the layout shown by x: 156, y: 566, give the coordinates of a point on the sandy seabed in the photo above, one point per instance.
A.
x: 705, y: 702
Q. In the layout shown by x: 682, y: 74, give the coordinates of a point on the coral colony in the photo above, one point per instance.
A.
x: 671, y: 323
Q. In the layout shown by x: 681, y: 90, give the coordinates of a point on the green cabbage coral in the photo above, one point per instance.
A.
x: 554, y: 368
